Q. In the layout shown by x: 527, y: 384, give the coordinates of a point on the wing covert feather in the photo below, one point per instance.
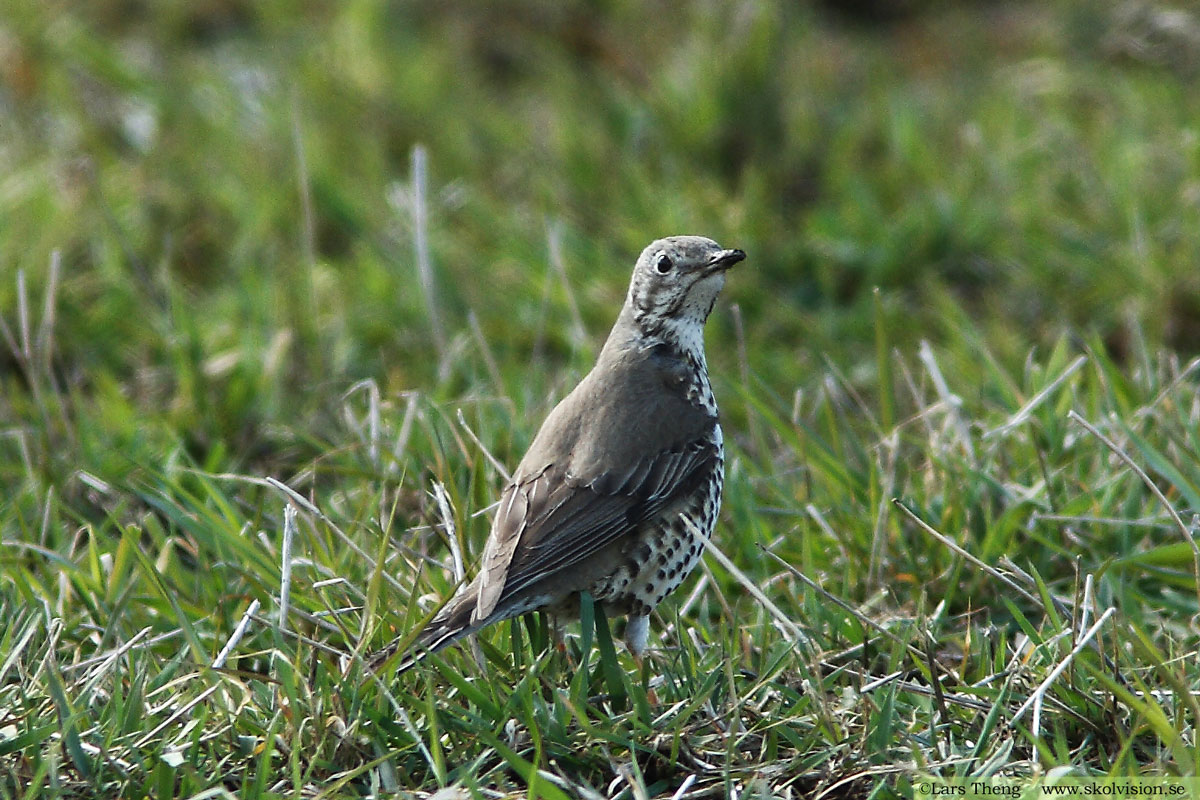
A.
x: 553, y: 523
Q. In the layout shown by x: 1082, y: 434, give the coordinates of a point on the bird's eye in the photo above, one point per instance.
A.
x: 663, y: 264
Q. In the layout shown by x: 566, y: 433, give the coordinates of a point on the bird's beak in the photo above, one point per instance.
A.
x: 725, y: 259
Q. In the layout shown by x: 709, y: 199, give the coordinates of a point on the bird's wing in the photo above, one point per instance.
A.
x: 552, y: 522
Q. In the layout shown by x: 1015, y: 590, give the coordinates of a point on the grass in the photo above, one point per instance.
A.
x: 285, y: 290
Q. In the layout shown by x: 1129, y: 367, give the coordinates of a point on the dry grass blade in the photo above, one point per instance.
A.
x: 953, y: 402
x: 798, y: 636
x: 449, y: 529
x: 304, y: 503
x: 285, y: 563
x: 954, y: 546
x: 374, y: 421
x: 842, y: 604
x: 1184, y: 531
x: 420, y: 224
x: 496, y: 465
x: 1024, y: 412
x: 153, y: 733
x: 554, y: 245
x: 1035, y: 698
x: 966, y: 701
x: 236, y: 636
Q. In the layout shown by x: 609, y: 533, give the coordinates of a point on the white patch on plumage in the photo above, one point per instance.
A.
x: 686, y: 334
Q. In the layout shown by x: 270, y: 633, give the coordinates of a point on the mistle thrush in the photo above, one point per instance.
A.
x: 622, y: 484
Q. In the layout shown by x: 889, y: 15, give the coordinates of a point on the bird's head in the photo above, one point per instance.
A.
x: 678, y: 279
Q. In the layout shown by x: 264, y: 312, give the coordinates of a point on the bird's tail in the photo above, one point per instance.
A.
x: 452, y: 623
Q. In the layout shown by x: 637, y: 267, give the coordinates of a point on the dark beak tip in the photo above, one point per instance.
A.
x: 728, y: 258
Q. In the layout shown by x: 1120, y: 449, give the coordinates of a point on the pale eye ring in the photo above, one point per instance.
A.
x: 663, y: 264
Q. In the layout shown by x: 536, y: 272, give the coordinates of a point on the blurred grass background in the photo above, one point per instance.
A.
x: 212, y: 215
x: 229, y: 185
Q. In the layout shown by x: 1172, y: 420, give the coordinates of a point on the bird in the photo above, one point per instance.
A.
x: 622, y: 484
